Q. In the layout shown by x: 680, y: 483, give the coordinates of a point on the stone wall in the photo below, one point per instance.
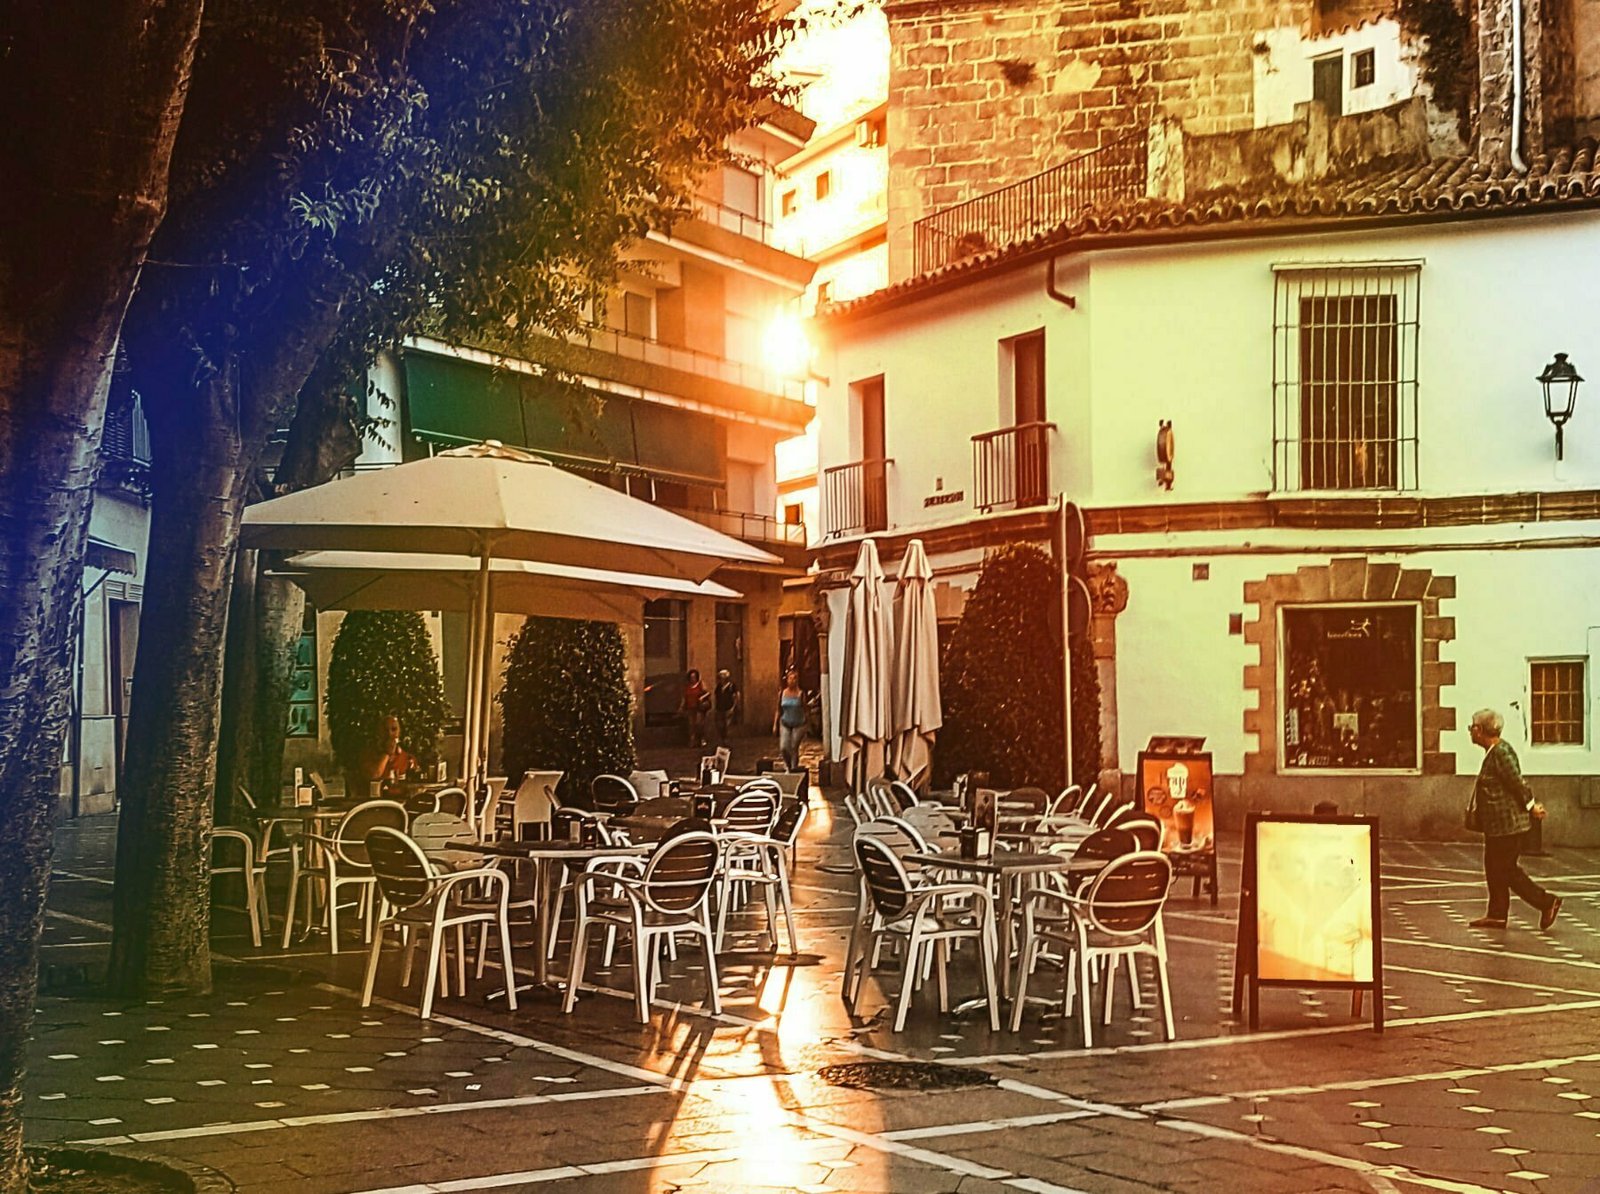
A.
x: 987, y: 92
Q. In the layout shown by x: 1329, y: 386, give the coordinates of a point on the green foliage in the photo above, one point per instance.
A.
x: 565, y: 702
x: 383, y: 663
x: 1001, y: 680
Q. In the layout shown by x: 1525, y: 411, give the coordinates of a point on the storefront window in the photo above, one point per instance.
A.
x: 1350, y: 687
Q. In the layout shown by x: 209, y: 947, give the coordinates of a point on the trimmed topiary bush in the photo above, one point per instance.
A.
x: 565, y: 703
x: 1001, y: 680
x: 382, y: 663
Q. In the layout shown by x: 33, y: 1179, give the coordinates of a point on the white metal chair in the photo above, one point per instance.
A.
x: 670, y: 898
x: 424, y: 900
x: 251, y: 869
x: 927, y: 919
x: 435, y: 832
x: 612, y: 794
x: 344, y: 865
x: 752, y: 857
x: 532, y: 802
x: 1118, y: 915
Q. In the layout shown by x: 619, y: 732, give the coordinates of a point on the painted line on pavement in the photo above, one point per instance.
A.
x: 1512, y: 955
x: 1480, y: 980
x: 1393, y: 1173
x: 1359, y: 1084
x: 1257, y: 1038
x: 76, y: 920
x: 976, y: 1127
x: 78, y: 877
x: 350, y: 1117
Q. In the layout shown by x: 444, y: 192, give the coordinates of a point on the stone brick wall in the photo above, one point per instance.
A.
x: 987, y: 92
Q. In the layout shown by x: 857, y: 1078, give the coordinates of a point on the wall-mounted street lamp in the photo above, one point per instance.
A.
x: 1560, y: 381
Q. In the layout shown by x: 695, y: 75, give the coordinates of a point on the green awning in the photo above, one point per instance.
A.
x: 453, y: 401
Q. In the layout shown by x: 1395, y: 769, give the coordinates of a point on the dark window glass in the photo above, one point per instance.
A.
x: 1350, y: 686
x: 1556, y: 687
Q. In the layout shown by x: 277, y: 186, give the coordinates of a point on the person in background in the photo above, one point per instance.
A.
x: 727, y: 704
x: 790, y: 721
x: 696, y: 700
x: 1505, y: 805
x: 386, y: 760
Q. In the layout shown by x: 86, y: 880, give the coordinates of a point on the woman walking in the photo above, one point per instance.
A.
x: 1503, y: 803
x: 790, y: 720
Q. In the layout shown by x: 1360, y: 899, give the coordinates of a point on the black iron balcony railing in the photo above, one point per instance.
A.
x: 1011, y: 466
x: 752, y: 528
x: 1037, y: 204
x: 855, y: 498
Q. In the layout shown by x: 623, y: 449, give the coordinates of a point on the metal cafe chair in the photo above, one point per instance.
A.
x: 612, y: 794
x: 344, y: 864
x: 1118, y: 915
x: 423, y: 900
x: 753, y: 857
x: 903, y: 837
x: 926, y: 919
x: 671, y: 897
x: 252, y: 869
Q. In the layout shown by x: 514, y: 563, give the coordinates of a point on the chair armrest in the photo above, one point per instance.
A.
x: 618, y: 860
x: 942, y: 891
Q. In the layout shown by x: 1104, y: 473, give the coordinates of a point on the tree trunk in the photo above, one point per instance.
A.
x: 94, y: 91
x: 268, y: 612
x: 200, y: 473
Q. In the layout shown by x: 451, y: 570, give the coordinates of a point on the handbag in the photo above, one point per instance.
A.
x: 1470, y: 818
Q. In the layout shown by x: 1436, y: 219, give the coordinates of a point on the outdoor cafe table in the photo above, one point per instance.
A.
x: 545, y: 856
x: 1007, y: 867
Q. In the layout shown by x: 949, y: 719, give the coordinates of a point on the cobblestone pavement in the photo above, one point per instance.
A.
x: 1486, y: 1079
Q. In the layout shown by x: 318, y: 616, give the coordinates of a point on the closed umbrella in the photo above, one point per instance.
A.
x: 917, y: 711
x: 865, y: 711
x: 491, y: 502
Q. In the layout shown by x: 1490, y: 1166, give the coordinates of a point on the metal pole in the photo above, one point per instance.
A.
x: 1066, y: 632
x: 77, y: 697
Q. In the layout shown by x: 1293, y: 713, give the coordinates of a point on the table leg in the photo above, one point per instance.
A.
x: 541, y: 919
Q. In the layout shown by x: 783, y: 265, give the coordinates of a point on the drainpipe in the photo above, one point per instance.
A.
x: 1055, y: 292
x: 1066, y: 624
x: 1518, y: 70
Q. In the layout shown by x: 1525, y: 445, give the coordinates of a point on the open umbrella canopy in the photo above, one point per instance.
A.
x: 865, y: 711
x: 917, y: 711
x: 489, y: 499
x: 405, y: 580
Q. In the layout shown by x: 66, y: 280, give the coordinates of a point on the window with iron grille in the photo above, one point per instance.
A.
x: 1344, y: 376
x: 1556, y: 692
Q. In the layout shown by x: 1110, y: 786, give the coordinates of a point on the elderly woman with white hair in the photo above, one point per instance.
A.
x: 1502, y: 805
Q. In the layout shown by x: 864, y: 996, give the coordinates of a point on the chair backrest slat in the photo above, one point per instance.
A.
x: 752, y: 812
x: 791, y: 816
x: 1126, y: 897
x: 399, y: 866
x: 887, y: 880
x: 351, y: 835
x: 680, y: 873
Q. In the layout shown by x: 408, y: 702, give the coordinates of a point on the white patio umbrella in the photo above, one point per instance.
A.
x: 491, y: 502
x: 917, y: 712
x: 865, y: 711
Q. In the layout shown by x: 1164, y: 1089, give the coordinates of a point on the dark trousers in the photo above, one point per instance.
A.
x: 1505, y: 876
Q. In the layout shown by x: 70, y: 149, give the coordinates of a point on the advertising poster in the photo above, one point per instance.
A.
x: 1314, y: 901
x: 1176, y: 789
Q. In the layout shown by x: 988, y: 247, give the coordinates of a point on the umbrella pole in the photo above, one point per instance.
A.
x: 471, y: 748
x: 468, y: 688
x: 485, y: 666
x: 1066, y: 635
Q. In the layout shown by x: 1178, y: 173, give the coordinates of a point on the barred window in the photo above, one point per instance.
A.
x: 1556, y: 691
x: 1344, y: 377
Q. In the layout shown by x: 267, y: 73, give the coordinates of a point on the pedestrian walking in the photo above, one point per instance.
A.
x: 789, y: 723
x: 696, y: 701
x: 727, y: 702
x: 1500, y: 809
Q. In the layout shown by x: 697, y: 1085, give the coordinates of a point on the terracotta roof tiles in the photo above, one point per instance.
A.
x: 1569, y: 175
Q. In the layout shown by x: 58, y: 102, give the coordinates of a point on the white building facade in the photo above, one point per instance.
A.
x: 1366, y: 534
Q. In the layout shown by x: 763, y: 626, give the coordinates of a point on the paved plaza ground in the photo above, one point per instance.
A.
x: 1486, y: 1079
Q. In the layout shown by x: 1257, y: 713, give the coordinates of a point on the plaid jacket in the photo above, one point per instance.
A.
x: 1502, y: 794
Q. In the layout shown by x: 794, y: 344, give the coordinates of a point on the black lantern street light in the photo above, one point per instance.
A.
x: 1560, y: 381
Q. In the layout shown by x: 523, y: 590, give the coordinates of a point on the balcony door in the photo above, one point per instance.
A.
x: 1030, y: 447
x: 874, y: 450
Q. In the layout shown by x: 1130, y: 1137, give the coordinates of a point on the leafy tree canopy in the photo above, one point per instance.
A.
x: 383, y: 662
x: 565, y: 703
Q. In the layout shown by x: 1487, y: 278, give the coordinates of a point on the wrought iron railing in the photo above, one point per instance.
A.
x: 632, y: 347
x: 855, y: 498
x: 752, y: 528
x: 1034, y: 205
x: 731, y: 219
x: 1011, y: 466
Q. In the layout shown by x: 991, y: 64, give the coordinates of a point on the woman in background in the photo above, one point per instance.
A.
x: 790, y: 721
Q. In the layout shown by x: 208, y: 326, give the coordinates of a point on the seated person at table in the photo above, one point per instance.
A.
x: 386, y: 760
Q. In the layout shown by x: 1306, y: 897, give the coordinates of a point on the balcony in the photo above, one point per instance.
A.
x: 630, y: 347
x: 1038, y: 204
x: 731, y: 219
x: 760, y: 529
x: 1011, y: 467
x: 855, y: 498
